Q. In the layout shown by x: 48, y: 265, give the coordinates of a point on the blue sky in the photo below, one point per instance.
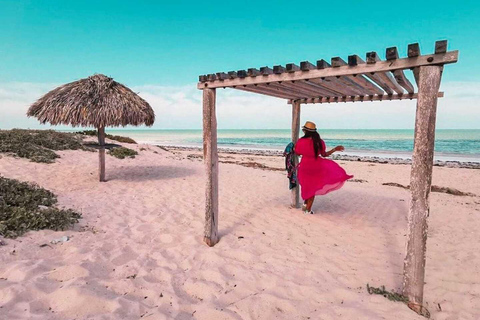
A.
x: 159, y: 49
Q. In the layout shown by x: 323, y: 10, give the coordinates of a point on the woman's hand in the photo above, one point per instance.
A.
x: 339, y: 148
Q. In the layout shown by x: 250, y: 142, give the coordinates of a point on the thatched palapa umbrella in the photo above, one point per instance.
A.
x: 96, y: 101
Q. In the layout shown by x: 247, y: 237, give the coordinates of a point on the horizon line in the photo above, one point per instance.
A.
x: 172, y: 129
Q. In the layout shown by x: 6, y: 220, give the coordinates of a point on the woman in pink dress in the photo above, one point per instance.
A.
x: 317, y: 175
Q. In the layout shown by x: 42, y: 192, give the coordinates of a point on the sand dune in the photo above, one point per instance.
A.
x: 138, y: 251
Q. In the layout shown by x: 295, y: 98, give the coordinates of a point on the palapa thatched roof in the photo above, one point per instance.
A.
x: 96, y: 101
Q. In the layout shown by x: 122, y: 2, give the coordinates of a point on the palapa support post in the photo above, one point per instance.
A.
x: 295, y: 135
x: 420, y: 184
x: 101, y: 154
x: 210, y: 156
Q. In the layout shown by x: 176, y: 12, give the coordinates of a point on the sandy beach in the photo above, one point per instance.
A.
x: 138, y: 251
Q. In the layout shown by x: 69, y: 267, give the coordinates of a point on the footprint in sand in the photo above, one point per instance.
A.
x: 14, y: 274
x: 165, y: 238
x: 127, y: 255
x: 66, y: 273
x: 145, y: 228
x: 73, y: 302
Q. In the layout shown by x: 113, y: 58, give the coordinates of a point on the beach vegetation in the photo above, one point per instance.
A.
x: 108, y: 136
x: 25, y: 206
x: 397, y: 297
x: 122, y: 153
x: 38, y: 145
x: 390, y: 295
x: 434, y: 188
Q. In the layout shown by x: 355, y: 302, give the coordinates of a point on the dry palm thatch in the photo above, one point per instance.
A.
x: 96, y: 101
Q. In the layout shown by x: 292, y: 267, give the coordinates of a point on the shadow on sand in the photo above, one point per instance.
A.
x: 385, y: 215
x: 148, y: 173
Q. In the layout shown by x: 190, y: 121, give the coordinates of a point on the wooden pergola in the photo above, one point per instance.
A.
x: 345, y: 81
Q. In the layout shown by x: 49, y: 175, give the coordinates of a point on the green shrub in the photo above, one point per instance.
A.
x: 25, y: 206
x: 88, y: 132
x: 38, y: 145
x: 122, y: 152
x: 121, y: 139
x: 109, y: 136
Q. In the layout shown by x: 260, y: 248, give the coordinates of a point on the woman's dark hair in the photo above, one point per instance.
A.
x: 317, y: 142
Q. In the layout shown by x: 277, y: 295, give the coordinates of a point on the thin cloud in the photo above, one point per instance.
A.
x: 180, y: 107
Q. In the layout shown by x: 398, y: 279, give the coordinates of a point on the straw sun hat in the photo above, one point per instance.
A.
x: 309, y: 126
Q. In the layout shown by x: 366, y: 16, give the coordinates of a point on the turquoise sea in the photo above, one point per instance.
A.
x: 451, y: 144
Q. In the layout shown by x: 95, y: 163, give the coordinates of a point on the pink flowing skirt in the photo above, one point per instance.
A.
x: 319, y: 176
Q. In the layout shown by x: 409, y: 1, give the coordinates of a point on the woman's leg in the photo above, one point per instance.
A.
x: 310, y: 203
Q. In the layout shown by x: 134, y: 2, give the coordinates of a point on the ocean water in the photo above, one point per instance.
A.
x: 461, y: 145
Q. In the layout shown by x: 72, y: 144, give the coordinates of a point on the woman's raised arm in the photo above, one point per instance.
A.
x: 325, y: 153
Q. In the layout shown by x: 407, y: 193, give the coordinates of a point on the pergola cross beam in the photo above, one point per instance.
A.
x: 371, y: 78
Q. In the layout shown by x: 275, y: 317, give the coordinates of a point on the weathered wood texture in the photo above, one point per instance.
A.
x: 357, y: 81
x: 441, y: 46
x: 210, y: 156
x: 295, y: 88
x: 252, y: 72
x: 265, y: 71
x: 222, y: 76
x: 362, y: 98
x: 392, y: 65
x: 420, y: 183
x: 385, y: 77
x: 413, y: 52
x: 307, y: 66
x: 392, y: 55
x: 336, y: 86
x: 295, y: 203
x: 320, y: 88
x: 101, y: 154
x: 354, y: 60
x: 266, y: 91
x: 292, y: 67
x: 285, y: 89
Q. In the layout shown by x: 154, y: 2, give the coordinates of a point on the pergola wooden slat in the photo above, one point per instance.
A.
x: 379, y: 66
x: 385, y: 77
x: 392, y: 54
x: 354, y: 60
x: 357, y: 80
x: 384, y: 97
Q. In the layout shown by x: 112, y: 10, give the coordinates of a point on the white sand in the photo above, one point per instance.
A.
x: 138, y: 251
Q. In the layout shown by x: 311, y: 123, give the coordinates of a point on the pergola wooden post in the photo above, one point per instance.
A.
x: 342, y: 81
x: 210, y: 156
x: 420, y: 183
x: 295, y: 135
